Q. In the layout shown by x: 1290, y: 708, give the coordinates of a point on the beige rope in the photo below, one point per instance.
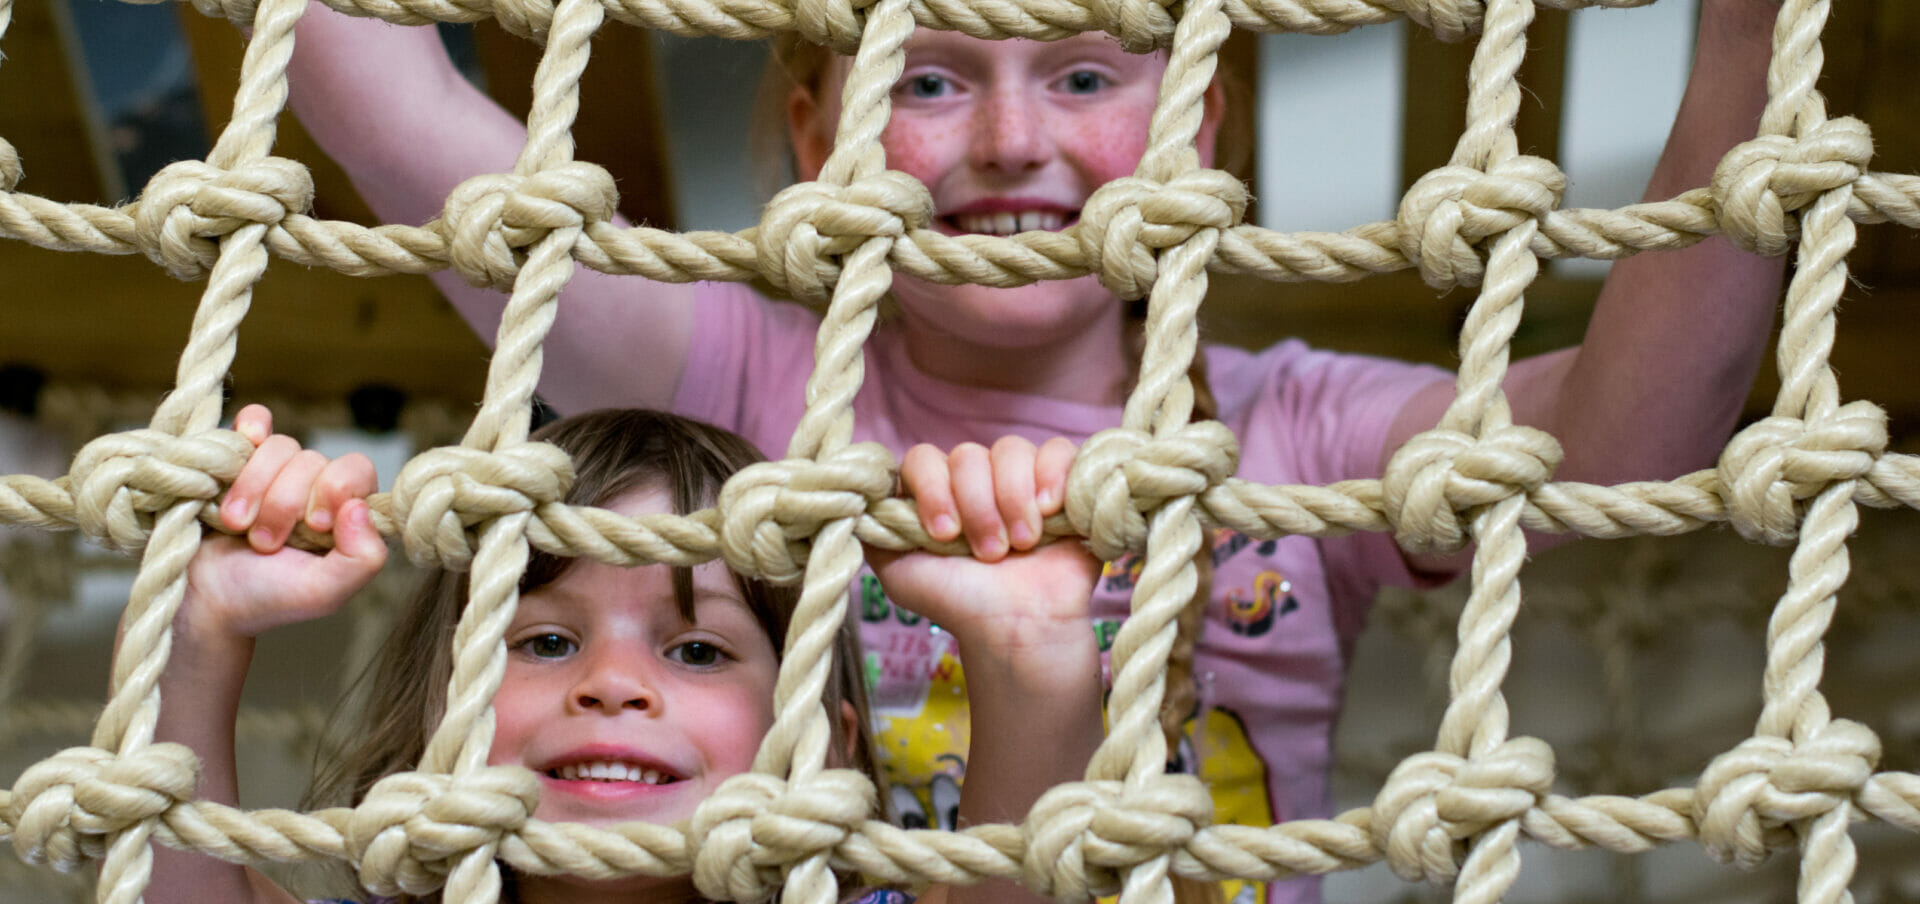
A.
x: 1452, y: 814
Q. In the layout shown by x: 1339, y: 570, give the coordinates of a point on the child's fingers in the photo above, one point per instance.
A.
x: 243, y: 500
x: 1050, y: 469
x: 923, y: 475
x: 285, y: 502
x: 971, y: 468
x: 254, y: 422
x: 1013, y: 490
x: 356, y: 558
x: 358, y: 550
x: 345, y: 478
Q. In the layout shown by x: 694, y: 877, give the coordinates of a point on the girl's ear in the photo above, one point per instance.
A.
x: 811, y: 135
x: 1212, y: 112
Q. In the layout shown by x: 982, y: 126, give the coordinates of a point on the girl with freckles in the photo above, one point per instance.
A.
x: 1011, y: 136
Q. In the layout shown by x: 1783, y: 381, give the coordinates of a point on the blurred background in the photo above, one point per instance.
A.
x: 1639, y: 660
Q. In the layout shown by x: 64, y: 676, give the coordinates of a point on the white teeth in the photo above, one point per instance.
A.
x: 608, y: 771
x: 1039, y: 220
x: 1007, y: 223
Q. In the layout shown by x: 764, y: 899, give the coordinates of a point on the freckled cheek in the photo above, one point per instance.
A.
x: 923, y: 150
x: 1107, y: 149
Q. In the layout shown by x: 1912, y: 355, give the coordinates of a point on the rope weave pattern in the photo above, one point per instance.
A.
x: 1451, y: 815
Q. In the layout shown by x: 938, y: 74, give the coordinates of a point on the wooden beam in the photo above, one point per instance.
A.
x: 40, y: 111
x: 121, y: 321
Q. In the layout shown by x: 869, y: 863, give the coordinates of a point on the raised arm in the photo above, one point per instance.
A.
x: 1021, y: 618
x: 237, y: 589
x: 386, y: 102
x: 1676, y: 337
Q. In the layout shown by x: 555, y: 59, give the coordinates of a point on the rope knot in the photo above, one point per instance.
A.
x: 121, y: 480
x: 1140, y: 25
x: 1777, y: 463
x: 1450, y: 211
x: 528, y: 19
x: 1760, y: 182
x: 1083, y: 836
x: 1121, y: 475
x: 443, y: 493
x: 65, y: 807
x: 1750, y: 794
x: 239, y: 12
x: 1129, y: 219
x: 771, y: 510
x: 191, y: 204
x: 492, y: 220
x: 834, y: 23
x: 10, y: 170
x: 1449, y: 20
x: 414, y: 827
x: 808, y: 227
x: 1439, y: 477
x: 756, y: 827
x: 1434, y: 803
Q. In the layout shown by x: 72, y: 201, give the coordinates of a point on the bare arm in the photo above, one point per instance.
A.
x: 386, y: 102
x: 201, y: 694
x: 1644, y: 397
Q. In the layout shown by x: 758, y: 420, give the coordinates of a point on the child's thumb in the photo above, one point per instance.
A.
x: 356, y: 543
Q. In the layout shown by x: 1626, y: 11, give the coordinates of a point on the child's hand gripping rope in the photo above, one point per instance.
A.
x: 1019, y: 612
x: 242, y: 586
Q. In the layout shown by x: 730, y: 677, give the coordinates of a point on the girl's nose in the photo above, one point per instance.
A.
x: 614, y: 682
x: 1009, y: 134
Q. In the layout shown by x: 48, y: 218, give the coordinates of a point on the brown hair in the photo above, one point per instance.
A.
x: 403, y: 691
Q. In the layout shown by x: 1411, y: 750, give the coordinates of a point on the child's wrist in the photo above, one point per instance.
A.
x: 1063, y: 664
x: 198, y: 633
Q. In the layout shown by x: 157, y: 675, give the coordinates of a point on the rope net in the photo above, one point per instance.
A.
x: 1451, y: 815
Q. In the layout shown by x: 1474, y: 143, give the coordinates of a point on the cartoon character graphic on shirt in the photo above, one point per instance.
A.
x: 919, y: 708
x: 1216, y: 740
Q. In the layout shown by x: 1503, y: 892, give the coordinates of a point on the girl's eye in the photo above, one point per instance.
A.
x: 697, y: 653
x: 547, y: 646
x: 1083, y: 81
x: 925, y: 86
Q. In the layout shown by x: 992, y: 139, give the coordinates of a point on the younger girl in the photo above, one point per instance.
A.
x: 632, y: 693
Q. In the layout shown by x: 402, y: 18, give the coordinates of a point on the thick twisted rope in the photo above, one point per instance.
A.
x: 1451, y: 815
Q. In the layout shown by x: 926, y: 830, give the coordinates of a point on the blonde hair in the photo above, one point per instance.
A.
x: 402, y: 693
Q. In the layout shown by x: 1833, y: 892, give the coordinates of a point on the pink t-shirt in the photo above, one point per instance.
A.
x: 1284, y: 615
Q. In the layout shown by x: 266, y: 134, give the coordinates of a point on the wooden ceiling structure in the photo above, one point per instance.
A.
x: 121, y: 321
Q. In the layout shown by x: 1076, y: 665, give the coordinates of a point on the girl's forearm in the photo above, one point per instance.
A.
x: 1643, y: 398
x: 1035, y: 723
x: 199, y: 701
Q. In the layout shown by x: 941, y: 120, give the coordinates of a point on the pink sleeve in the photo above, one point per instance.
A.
x: 747, y: 364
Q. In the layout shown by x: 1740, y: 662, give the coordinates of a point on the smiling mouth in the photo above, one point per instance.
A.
x: 610, y: 771
x: 1005, y: 223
